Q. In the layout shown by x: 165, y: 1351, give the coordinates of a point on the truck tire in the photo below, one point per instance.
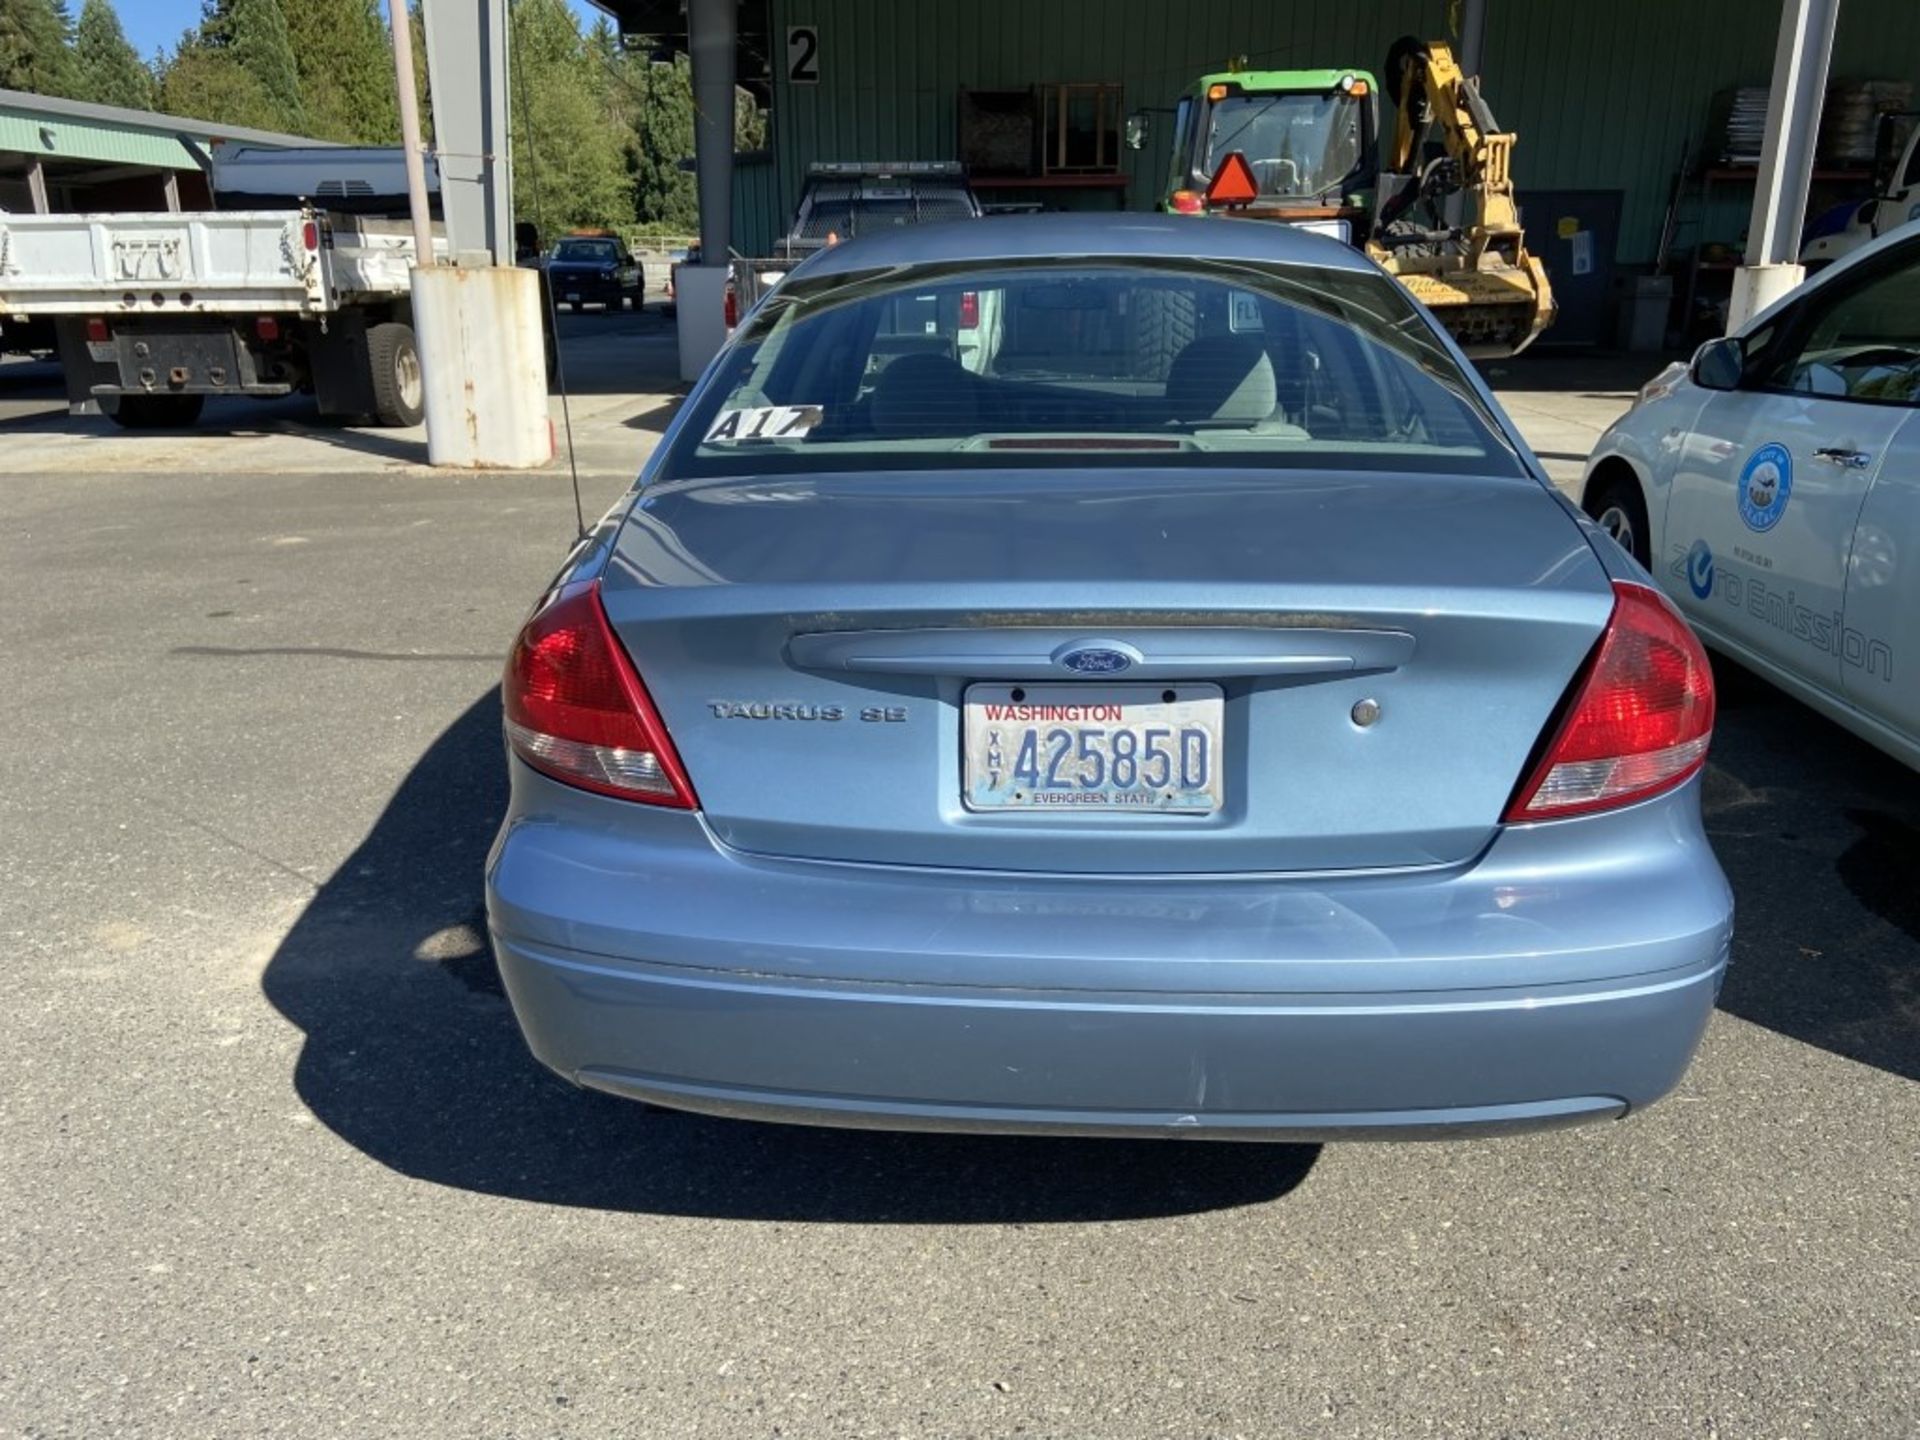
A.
x: 153, y: 412
x: 1165, y: 322
x: 399, y: 397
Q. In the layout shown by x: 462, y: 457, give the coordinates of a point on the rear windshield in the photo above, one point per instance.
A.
x: 846, y: 208
x: 604, y: 250
x: 1054, y: 363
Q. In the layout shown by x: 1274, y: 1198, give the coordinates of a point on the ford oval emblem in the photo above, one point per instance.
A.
x: 1095, y: 660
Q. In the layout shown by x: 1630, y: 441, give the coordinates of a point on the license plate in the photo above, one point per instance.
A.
x: 1078, y: 748
x: 572, y: 295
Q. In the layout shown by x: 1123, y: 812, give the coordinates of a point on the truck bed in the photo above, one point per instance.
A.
x: 200, y: 262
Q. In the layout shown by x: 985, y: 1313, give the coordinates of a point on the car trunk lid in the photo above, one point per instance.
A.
x: 810, y: 642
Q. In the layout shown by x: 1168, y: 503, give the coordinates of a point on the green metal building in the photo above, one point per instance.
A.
x: 1619, y: 107
x: 67, y: 155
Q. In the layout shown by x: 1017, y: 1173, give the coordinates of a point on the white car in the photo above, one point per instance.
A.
x: 1772, y: 487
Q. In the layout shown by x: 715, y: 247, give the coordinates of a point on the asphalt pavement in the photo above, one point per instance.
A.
x: 274, y: 1161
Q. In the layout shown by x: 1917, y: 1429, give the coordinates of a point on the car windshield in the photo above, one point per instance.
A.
x: 1089, y: 363
x: 1298, y: 145
x: 846, y: 209
x: 603, y: 251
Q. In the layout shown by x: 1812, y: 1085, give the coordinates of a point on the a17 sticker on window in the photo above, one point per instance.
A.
x: 764, y: 422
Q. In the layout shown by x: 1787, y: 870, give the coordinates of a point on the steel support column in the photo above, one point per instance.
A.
x: 710, y: 38
x: 1798, y: 91
x: 1473, y: 35
x: 701, y: 289
x: 467, y: 74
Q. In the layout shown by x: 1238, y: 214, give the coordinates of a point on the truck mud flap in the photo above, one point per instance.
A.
x: 337, y: 360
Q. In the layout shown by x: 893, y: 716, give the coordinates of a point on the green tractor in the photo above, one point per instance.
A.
x: 1431, y: 199
x: 1310, y: 137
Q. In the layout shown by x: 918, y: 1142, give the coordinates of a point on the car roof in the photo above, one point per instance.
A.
x: 1090, y: 235
x: 1902, y: 234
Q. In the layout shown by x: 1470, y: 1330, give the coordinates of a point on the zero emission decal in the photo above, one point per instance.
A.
x: 1777, y: 605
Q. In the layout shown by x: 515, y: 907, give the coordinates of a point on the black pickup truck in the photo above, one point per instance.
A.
x: 594, y: 269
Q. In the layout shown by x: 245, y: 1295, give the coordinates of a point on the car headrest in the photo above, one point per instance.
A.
x: 925, y: 395
x: 1222, y: 377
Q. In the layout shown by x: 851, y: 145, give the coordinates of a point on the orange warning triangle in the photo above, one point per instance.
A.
x: 1233, y: 182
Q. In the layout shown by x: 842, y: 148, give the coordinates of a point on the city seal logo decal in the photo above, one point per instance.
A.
x: 1766, y: 480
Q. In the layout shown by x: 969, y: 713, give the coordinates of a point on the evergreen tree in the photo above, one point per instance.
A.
x: 36, y: 50
x: 109, y: 72
x: 658, y: 114
x: 664, y: 194
x: 569, y: 164
x: 253, y: 33
x: 417, y: 28
x: 204, y: 83
x: 345, y: 61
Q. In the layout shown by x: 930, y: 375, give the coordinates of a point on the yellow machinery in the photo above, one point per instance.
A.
x: 1474, y: 273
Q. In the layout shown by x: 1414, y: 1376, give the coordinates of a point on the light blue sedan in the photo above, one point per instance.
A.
x: 1107, y: 677
x: 1772, y: 486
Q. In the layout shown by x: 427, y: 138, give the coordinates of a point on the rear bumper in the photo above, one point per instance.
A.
x: 1227, y: 1066
x: 650, y: 962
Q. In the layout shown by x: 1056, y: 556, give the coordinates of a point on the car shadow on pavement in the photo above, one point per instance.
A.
x: 412, y: 1056
x: 1819, y: 834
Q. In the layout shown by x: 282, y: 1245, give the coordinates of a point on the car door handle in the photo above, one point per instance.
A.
x: 1840, y: 455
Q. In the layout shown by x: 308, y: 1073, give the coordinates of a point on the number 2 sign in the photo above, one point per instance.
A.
x: 803, y: 55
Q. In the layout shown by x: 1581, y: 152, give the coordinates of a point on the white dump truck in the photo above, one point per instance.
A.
x: 296, y: 281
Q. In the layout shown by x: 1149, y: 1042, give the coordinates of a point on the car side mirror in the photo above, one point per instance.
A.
x: 1136, y: 131
x: 1720, y: 364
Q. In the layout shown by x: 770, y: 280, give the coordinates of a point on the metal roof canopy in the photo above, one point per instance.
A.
x: 49, y: 128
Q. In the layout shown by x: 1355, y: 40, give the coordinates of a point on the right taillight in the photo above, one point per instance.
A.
x: 1639, y: 720
x: 730, y: 307
x: 969, y: 309
x: 576, y: 709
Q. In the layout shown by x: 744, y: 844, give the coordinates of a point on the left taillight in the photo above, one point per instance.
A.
x: 1638, y: 721
x: 969, y: 309
x: 577, y: 711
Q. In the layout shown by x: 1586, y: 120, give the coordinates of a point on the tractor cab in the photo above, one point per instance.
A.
x: 1310, y: 139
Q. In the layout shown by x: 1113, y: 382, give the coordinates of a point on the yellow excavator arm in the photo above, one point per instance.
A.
x: 1477, y: 276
